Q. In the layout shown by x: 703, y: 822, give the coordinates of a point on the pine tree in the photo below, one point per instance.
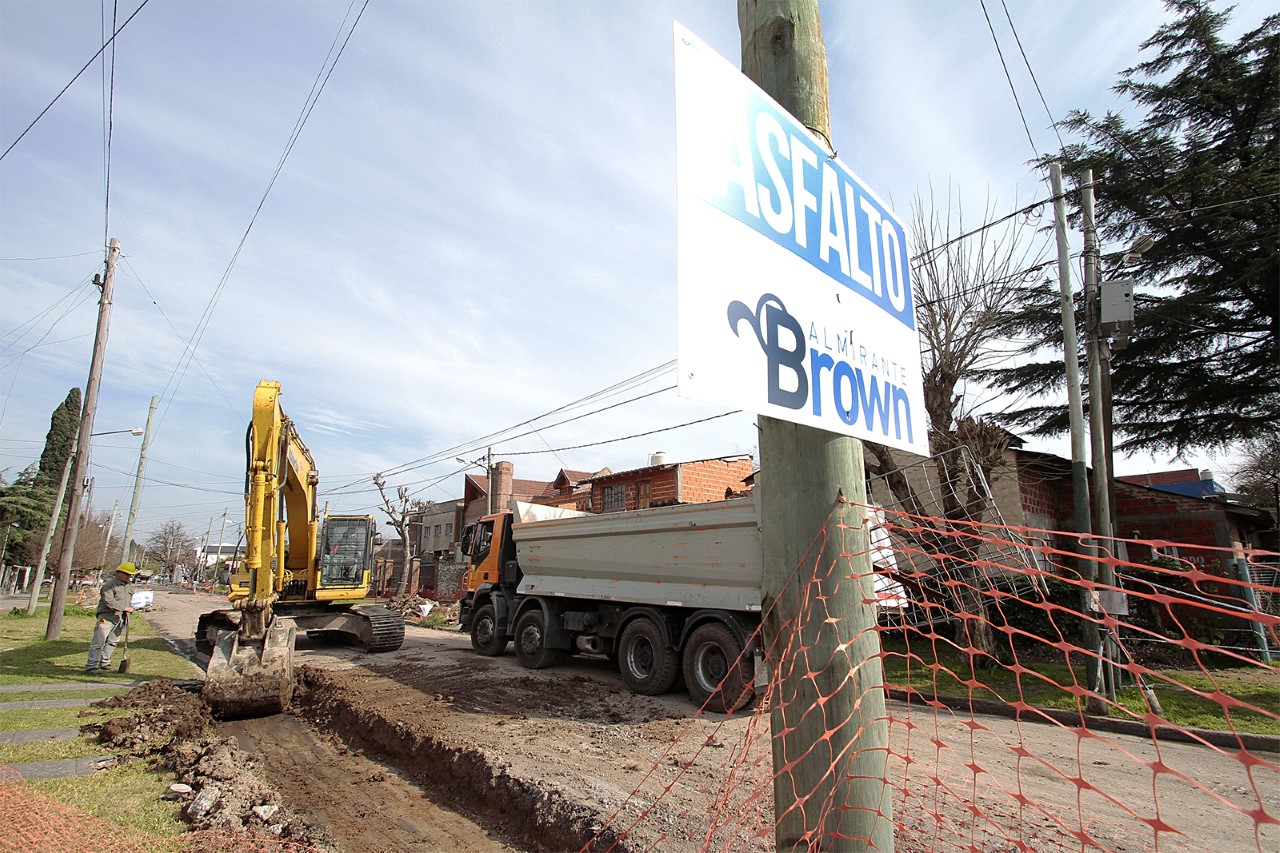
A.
x: 1200, y: 173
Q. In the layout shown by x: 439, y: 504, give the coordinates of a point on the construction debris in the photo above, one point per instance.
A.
x: 165, y: 720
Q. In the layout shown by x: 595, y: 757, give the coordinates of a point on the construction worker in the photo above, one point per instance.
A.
x: 115, y: 603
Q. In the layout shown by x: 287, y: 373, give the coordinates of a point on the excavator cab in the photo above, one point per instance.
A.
x: 346, y: 551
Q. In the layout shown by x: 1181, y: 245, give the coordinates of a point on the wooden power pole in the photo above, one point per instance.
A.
x: 829, y: 727
x: 58, y: 599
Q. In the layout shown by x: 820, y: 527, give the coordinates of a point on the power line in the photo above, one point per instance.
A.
x: 177, y: 335
x: 469, y: 446
x: 317, y: 89
x: 623, y: 438
x: 109, y: 107
x: 1052, y: 123
x: 1016, y: 101
x: 74, y: 79
x: 56, y: 257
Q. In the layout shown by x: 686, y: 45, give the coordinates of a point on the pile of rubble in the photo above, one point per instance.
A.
x: 415, y: 608
x: 167, y: 721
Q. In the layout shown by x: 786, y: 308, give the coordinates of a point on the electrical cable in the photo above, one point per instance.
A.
x: 474, y: 444
x: 202, y: 325
x: 109, y: 107
x: 1052, y: 123
x: 177, y: 335
x: 73, y: 79
x: 623, y: 438
x: 1034, y: 152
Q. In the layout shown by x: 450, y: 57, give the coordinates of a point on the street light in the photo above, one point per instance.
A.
x: 135, y: 431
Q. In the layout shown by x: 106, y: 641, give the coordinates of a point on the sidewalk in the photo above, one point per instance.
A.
x: 62, y: 767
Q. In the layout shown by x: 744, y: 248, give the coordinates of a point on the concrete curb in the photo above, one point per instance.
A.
x: 35, y: 704
x: 58, y: 769
x: 1246, y: 741
x: 37, y: 735
x: 73, y: 685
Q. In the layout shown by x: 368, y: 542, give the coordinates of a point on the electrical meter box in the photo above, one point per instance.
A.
x: 1115, y: 311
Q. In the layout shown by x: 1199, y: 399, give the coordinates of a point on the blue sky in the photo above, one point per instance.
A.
x: 475, y: 226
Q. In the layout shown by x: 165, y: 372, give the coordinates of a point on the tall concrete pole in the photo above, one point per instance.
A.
x: 223, y: 532
x: 1099, y: 380
x: 53, y: 525
x: 1087, y: 568
x: 829, y: 726
x: 137, y: 485
x: 106, y: 540
x: 1097, y: 424
x: 59, y: 598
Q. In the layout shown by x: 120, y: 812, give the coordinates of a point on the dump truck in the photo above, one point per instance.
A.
x: 672, y: 594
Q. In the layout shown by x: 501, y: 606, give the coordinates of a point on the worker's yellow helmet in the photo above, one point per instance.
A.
x: 128, y: 568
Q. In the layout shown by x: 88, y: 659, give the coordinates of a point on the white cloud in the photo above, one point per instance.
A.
x: 475, y: 227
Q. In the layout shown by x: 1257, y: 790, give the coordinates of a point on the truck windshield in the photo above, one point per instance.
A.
x: 481, y: 536
x: 345, y: 549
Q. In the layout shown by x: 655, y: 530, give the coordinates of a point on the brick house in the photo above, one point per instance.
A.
x: 1185, y: 507
x: 662, y: 483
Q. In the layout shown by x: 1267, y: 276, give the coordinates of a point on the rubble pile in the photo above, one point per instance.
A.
x: 168, y: 722
x: 411, y: 607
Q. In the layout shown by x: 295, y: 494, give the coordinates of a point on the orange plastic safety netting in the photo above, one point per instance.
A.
x: 938, y: 685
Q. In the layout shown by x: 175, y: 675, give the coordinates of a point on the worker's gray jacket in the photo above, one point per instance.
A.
x: 114, y: 599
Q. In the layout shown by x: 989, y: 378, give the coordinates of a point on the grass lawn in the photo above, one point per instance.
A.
x: 27, y: 658
x: 129, y: 795
x: 942, y: 670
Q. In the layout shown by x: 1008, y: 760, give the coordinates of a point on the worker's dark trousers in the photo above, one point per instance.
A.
x: 105, y: 636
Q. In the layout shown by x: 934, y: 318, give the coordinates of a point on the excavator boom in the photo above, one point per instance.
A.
x: 299, y: 572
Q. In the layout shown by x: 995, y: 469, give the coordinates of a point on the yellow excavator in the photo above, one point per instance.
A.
x: 301, y: 572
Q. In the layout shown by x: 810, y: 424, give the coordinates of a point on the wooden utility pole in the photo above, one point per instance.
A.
x: 829, y: 726
x: 58, y: 599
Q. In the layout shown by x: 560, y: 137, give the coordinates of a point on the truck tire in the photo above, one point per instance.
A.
x: 485, y: 638
x: 647, y: 665
x: 710, y: 673
x: 531, y: 641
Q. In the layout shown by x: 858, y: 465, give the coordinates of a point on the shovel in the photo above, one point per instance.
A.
x: 124, y: 664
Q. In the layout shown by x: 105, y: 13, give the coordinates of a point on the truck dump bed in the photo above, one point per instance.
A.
x: 692, y: 555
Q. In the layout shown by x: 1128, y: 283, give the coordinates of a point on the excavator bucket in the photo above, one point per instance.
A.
x: 251, y: 678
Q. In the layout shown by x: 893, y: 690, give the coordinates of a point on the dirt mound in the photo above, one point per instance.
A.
x: 167, y: 722
x: 161, y: 713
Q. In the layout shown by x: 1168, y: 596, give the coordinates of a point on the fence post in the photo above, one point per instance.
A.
x: 1247, y: 593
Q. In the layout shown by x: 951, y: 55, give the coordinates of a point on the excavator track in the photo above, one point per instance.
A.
x: 386, y: 627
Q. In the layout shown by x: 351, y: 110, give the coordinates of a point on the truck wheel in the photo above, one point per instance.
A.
x: 531, y: 642
x: 713, y: 679
x: 485, y: 638
x: 647, y: 665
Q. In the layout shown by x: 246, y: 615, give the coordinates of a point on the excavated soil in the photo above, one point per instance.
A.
x: 167, y: 722
x: 434, y: 747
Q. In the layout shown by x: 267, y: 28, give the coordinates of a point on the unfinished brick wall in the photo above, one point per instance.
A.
x: 709, y: 479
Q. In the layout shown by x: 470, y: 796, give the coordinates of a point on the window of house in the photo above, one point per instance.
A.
x: 437, y: 530
x: 448, y: 528
x: 642, y: 494
x: 615, y: 498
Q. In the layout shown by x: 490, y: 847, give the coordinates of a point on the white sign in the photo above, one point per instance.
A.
x: 794, y: 281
